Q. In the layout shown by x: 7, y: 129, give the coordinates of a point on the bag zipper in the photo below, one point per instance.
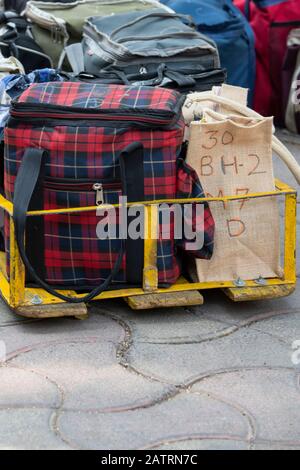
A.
x: 65, y: 185
x: 39, y: 110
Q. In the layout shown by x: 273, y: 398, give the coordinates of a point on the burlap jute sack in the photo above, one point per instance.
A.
x: 192, y: 110
x: 233, y: 156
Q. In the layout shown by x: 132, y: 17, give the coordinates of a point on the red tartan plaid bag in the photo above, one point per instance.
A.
x: 80, y: 144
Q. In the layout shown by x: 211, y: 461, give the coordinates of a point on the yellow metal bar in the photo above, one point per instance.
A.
x: 4, y: 283
x: 6, y: 205
x: 17, y: 271
x: 283, y: 187
x: 150, y: 272
x: 163, y: 201
x: 180, y: 286
x: 290, y: 268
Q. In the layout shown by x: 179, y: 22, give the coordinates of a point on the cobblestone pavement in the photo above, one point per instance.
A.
x: 219, y: 376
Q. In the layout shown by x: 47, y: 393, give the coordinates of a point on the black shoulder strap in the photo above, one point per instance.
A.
x: 26, y: 181
x: 132, y: 174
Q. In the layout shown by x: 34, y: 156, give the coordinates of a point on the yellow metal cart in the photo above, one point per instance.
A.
x: 37, y: 303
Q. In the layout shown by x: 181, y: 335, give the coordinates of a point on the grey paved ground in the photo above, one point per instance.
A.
x: 215, y: 377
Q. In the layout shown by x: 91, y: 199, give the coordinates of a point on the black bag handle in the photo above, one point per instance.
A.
x: 26, y: 182
x: 179, y: 78
x: 163, y: 71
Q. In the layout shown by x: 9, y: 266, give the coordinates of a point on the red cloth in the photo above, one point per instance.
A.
x: 271, y: 23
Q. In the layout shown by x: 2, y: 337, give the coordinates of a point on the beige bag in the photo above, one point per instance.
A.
x: 233, y: 156
x: 197, y: 101
x: 192, y: 110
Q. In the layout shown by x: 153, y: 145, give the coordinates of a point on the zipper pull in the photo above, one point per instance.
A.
x: 98, y: 187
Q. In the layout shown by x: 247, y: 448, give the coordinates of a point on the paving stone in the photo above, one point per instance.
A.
x: 90, y: 376
x: 218, y: 307
x: 184, y: 415
x: 25, y: 388
x: 278, y: 446
x: 286, y: 327
x: 270, y: 396
x: 216, y: 316
x: 8, y: 317
x: 182, y: 363
x: 281, y: 170
x: 204, y: 444
x: 170, y: 325
x: 24, y: 335
x: 23, y: 429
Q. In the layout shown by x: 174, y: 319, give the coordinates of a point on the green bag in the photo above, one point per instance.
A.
x: 56, y: 25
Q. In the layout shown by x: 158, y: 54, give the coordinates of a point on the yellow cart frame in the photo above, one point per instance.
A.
x: 37, y: 303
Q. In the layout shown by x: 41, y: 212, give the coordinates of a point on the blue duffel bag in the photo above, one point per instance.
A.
x: 224, y: 23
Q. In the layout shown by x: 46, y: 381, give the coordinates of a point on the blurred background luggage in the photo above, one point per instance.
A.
x: 152, y: 47
x: 55, y: 25
x: 291, y: 82
x: 272, y: 21
x: 16, y: 40
x: 16, y: 5
x: 223, y: 22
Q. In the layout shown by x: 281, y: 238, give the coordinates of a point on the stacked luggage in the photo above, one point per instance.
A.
x: 291, y: 82
x: 16, y: 40
x: 58, y: 24
x: 98, y: 115
x: 110, y: 128
x: 151, y: 48
x: 107, y: 139
x: 179, y: 57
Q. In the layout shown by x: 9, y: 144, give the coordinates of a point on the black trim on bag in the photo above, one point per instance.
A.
x: 35, y: 229
x: 161, y: 115
x: 26, y: 181
x: 132, y: 171
x: 51, y: 179
x: 279, y: 24
x: 123, y: 125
